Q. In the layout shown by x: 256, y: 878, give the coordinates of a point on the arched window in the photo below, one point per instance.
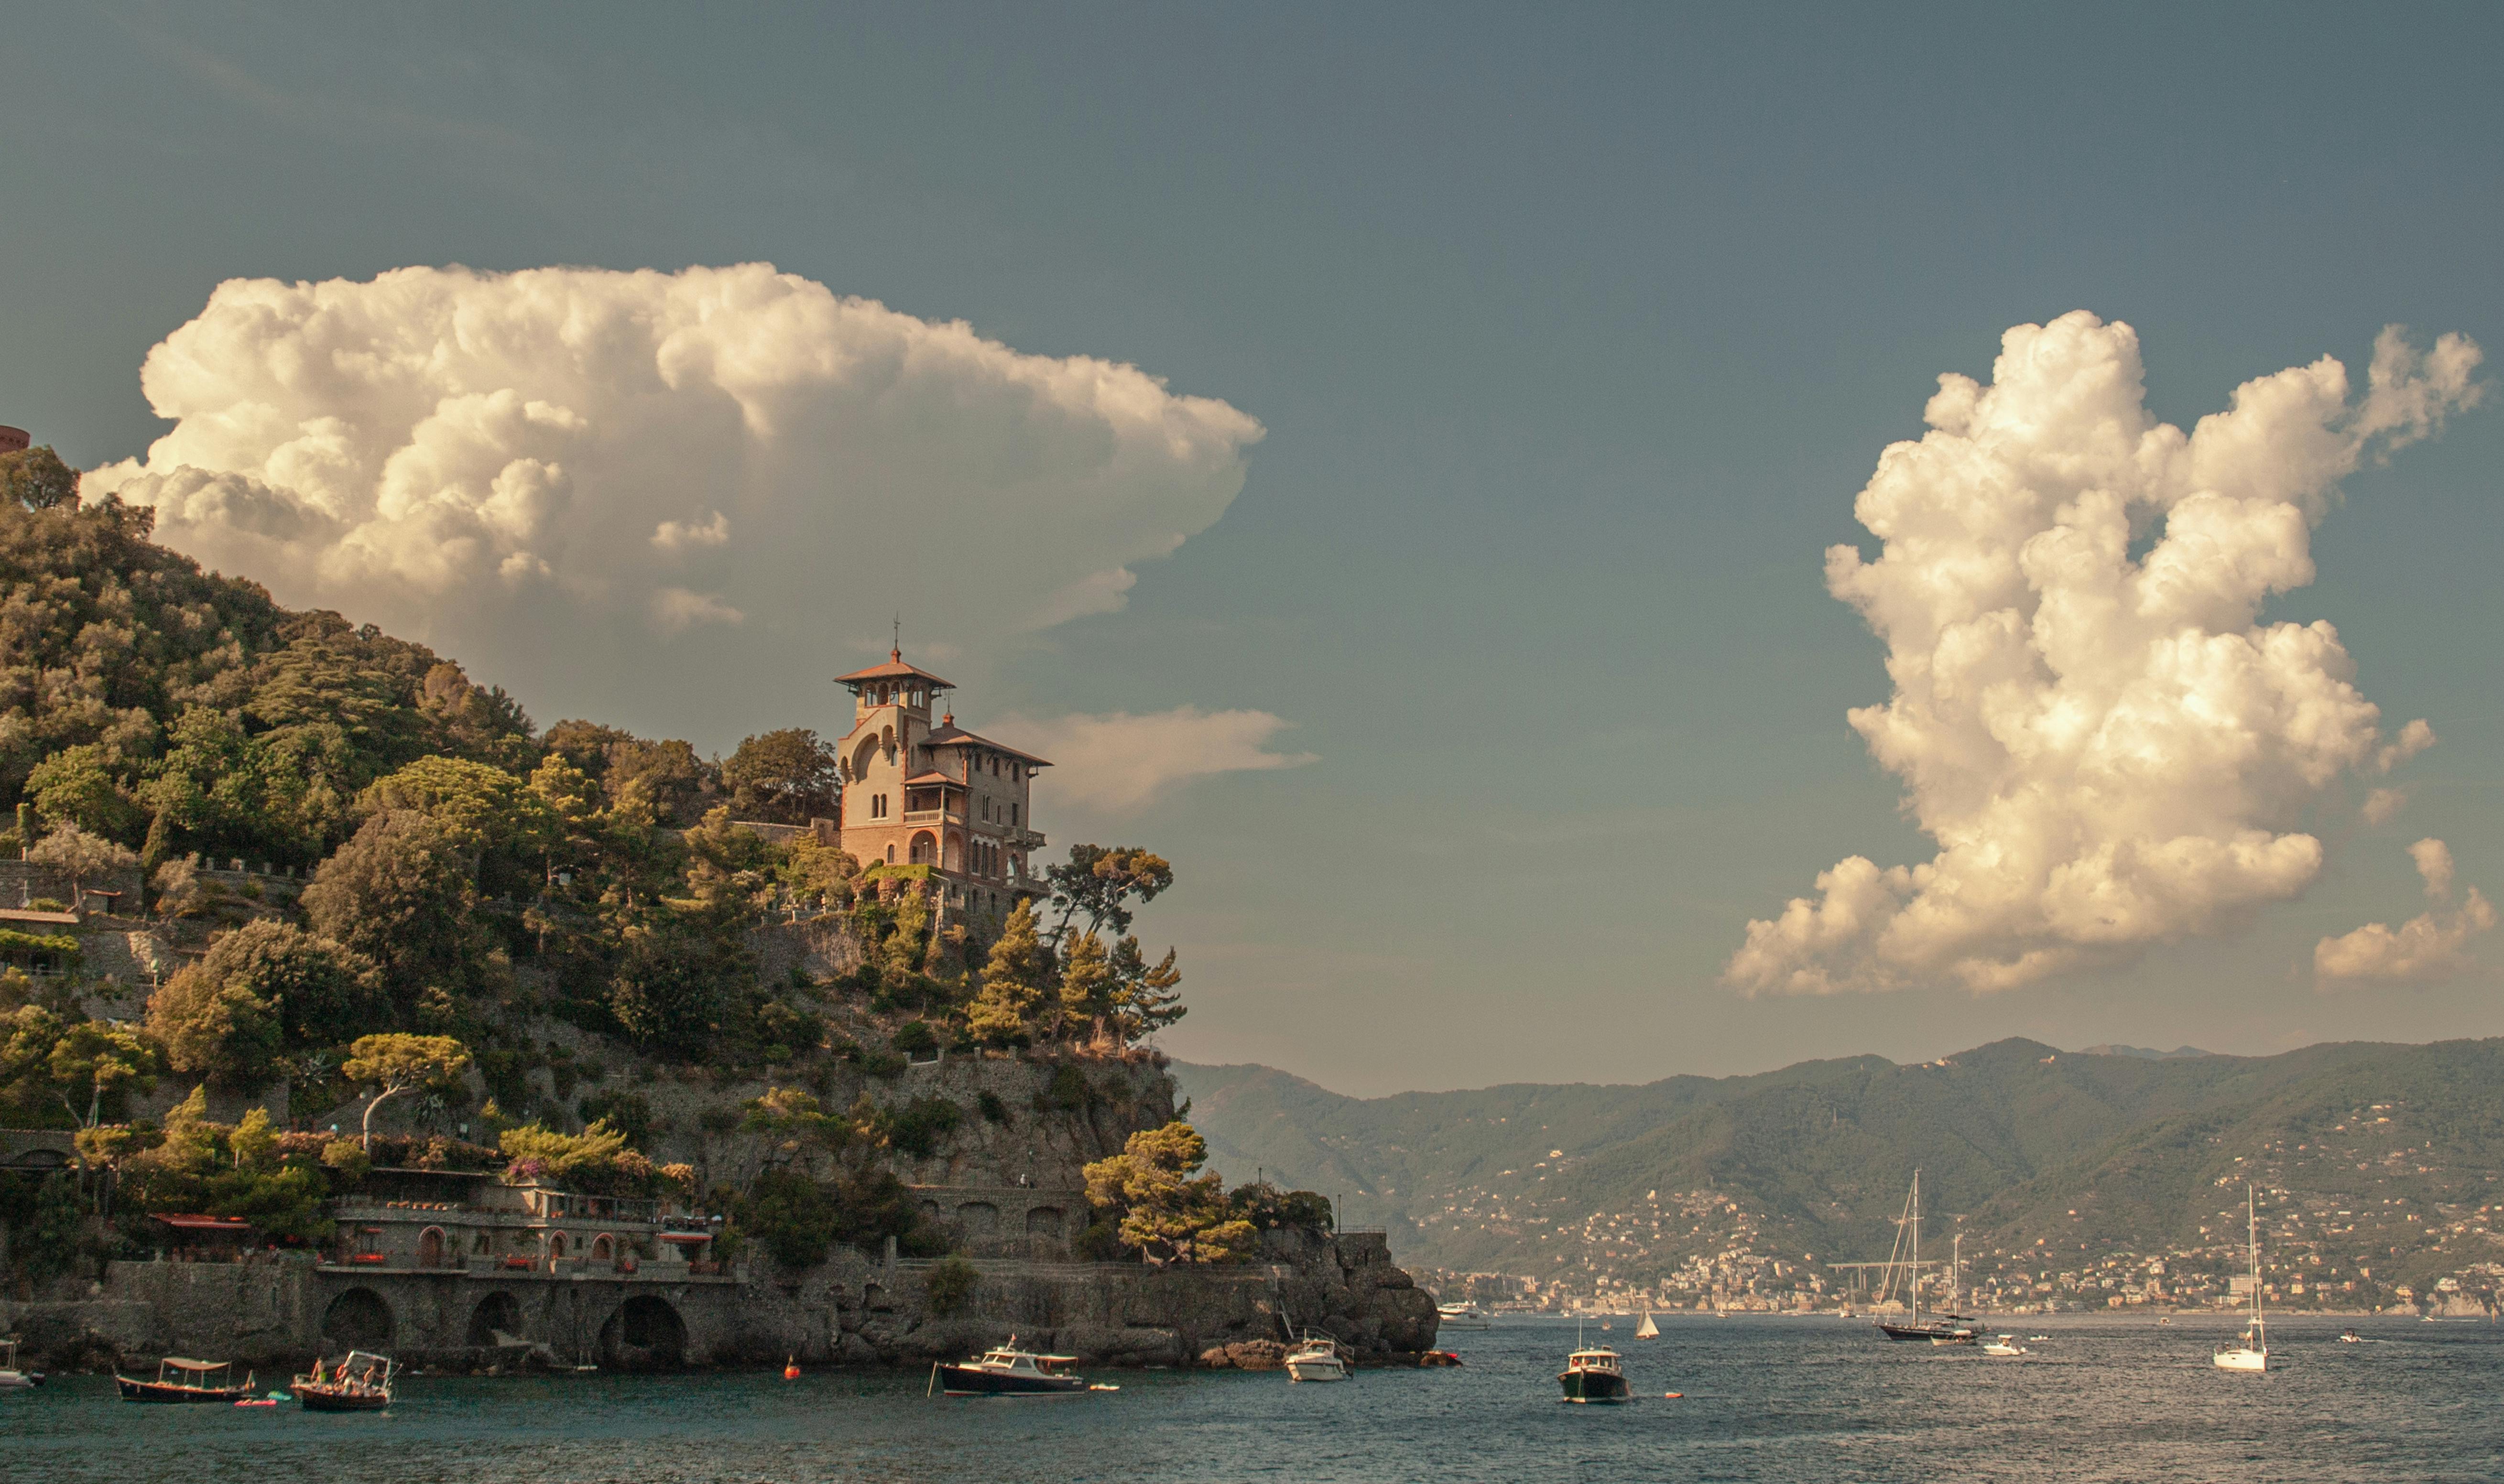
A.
x: 556, y: 1244
x: 603, y: 1247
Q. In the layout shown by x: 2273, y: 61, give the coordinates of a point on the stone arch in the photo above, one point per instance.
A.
x: 979, y: 1217
x: 556, y: 1244
x: 430, y: 1247
x: 862, y: 756
x: 497, y: 1311
x: 646, y: 1333
x: 359, y: 1319
x: 923, y: 850
x: 1044, y: 1222
x: 604, y: 1248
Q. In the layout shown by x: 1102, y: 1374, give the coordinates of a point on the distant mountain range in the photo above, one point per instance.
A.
x: 2387, y: 1148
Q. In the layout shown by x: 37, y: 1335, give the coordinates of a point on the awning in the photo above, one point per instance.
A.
x: 689, y: 1237
x: 202, y: 1223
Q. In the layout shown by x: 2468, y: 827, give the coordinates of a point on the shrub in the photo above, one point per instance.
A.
x: 920, y: 1126
x: 992, y: 1109
x: 950, y: 1285
x: 791, y: 1216
x: 348, y: 1158
x: 914, y: 1038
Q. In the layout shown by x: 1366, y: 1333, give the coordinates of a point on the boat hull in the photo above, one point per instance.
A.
x: 1947, y: 1335
x: 1592, y: 1387
x: 974, y: 1381
x: 1317, y: 1370
x: 323, y: 1399
x: 161, y: 1392
x: 2240, y: 1359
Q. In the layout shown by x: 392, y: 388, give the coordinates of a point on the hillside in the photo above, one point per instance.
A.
x: 270, y: 864
x: 2365, y: 1155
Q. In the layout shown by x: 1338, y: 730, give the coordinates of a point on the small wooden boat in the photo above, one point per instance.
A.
x: 1008, y: 1372
x: 1434, y: 1358
x: 182, y: 1380
x: 362, y: 1382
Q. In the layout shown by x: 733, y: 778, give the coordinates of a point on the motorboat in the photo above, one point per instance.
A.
x: 11, y: 1377
x: 2002, y: 1344
x: 181, y: 1380
x: 1317, y: 1357
x: 362, y: 1382
x: 1008, y: 1372
x: 1462, y: 1316
x: 1594, y: 1376
x: 2351, y: 1337
x: 2251, y: 1352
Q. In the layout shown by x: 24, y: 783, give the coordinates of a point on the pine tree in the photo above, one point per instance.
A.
x: 1014, y: 982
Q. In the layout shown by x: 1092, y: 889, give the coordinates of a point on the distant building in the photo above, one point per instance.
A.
x: 13, y: 439
x: 920, y: 794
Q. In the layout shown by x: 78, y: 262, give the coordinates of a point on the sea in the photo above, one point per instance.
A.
x: 1759, y: 1397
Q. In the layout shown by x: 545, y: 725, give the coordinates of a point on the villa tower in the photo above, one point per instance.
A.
x: 920, y: 794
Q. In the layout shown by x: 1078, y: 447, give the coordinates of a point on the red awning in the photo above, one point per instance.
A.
x: 689, y: 1237
x: 202, y: 1223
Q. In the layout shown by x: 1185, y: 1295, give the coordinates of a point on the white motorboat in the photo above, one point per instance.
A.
x: 1317, y: 1357
x: 2252, y: 1353
x: 2002, y: 1344
x: 1008, y: 1372
x: 1462, y: 1316
x: 11, y: 1377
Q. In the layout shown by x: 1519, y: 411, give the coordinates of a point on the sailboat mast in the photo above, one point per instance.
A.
x: 1917, y: 1247
x: 2252, y: 1221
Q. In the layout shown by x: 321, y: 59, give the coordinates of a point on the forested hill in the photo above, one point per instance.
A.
x: 2029, y: 1143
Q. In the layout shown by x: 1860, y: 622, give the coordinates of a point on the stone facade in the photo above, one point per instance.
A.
x: 920, y: 794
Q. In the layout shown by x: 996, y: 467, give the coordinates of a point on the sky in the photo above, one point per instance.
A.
x: 1390, y: 458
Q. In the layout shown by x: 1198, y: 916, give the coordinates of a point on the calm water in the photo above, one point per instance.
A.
x: 1765, y: 1398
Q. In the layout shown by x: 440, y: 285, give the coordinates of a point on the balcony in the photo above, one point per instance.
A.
x: 926, y: 815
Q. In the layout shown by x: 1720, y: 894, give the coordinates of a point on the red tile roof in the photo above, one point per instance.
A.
x: 958, y: 737
x: 893, y: 670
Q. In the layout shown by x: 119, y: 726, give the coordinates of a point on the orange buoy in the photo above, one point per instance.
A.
x: 792, y: 1368
x: 1671, y: 1395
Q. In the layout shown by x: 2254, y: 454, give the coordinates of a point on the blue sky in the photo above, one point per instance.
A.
x: 1572, y: 333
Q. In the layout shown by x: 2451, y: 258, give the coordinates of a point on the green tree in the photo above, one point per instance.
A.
x: 80, y: 789
x: 82, y: 857
x: 394, y: 1063
x: 782, y: 777
x: 950, y: 1285
x: 398, y: 895
x: 1014, y: 982
x: 1165, y: 1210
x: 1146, y: 998
x: 217, y: 1028
x: 485, y: 812
x: 80, y: 1064
x: 37, y: 478
x: 794, y: 1218
x: 1099, y: 884
x: 1087, y: 985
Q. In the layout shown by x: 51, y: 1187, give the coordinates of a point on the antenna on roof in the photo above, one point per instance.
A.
x: 896, y: 648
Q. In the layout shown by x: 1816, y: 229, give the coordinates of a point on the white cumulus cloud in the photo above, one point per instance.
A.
x: 545, y: 471
x: 1118, y: 762
x: 2109, y: 746
x: 2426, y: 946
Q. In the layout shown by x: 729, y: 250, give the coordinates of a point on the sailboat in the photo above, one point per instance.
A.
x: 2253, y: 1353
x: 1647, y: 1331
x: 1945, y: 1329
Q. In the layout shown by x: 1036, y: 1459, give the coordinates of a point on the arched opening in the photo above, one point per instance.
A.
x: 556, y: 1244
x: 1044, y: 1222
x: 358, y: 1320
x: 495, y: 1312
x: 429, y: 1247
x: 924, y: 849
x: 979, y: 1217
x: 645, y: 1334
x: 603, y: 1247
